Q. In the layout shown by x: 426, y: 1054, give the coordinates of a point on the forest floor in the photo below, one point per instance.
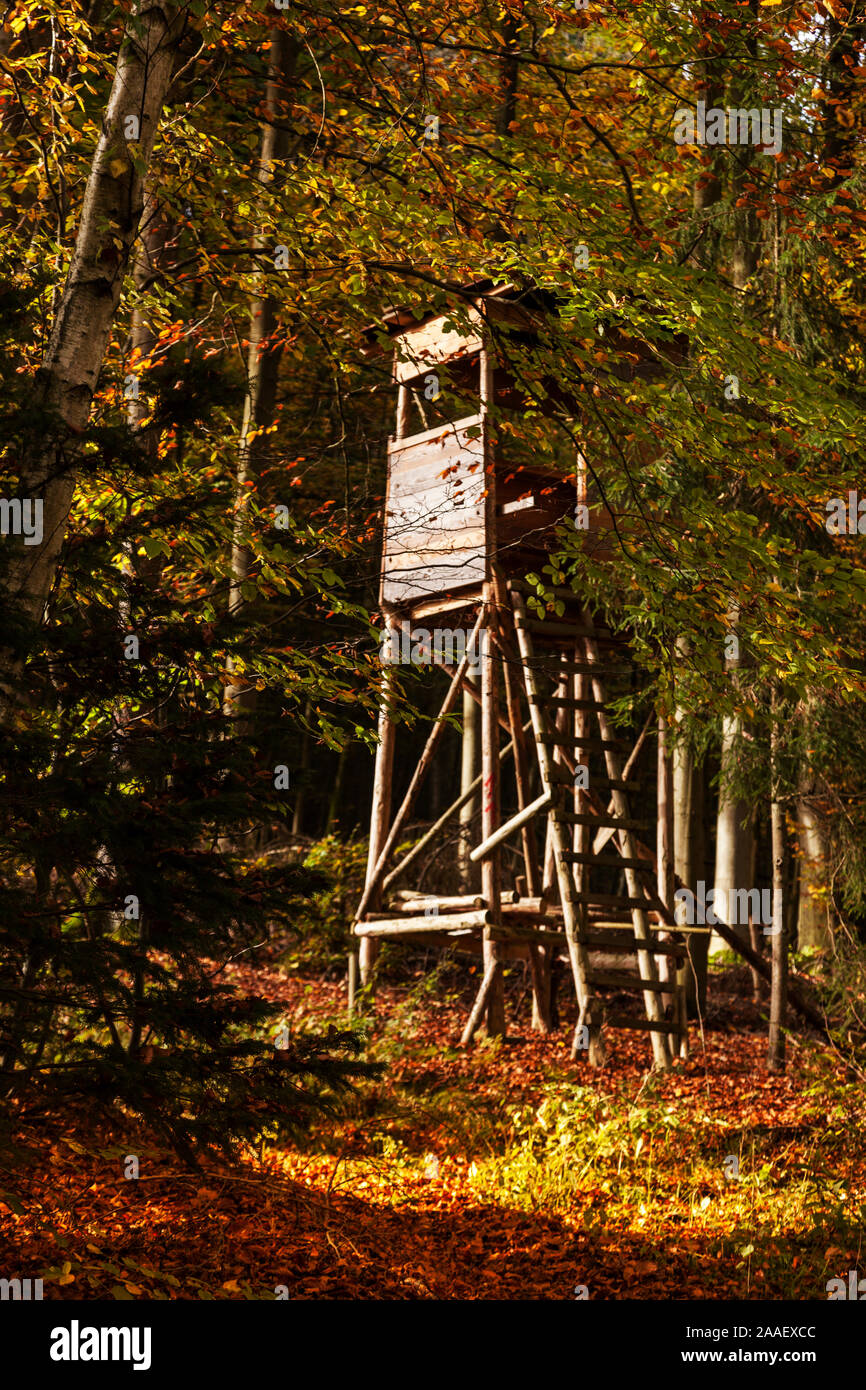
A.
x: 501, y: 1172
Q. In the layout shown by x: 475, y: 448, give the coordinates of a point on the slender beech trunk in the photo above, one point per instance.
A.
x: 332, y: 821
x: 110, y: 216
x: 142, y: 339
x: 733, y: 838
x: 779, y: 988
x: 813, y: 922
x: 689, y: 845
x: 263, y: 360
x: 745, y: 252
x: 149, y: 256
x: 665, y: 841
x: 301, y: 795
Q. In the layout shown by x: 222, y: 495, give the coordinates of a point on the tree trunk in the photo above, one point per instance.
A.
x: 688, y: 797
x: 733, y: 837
x: 813, y: 930
x: 779, y: 988
x: 263, y: 364
x: 707, y: 189
x: 665, y: 844
x: 301, y: 795
x: 332, y: 821
x: 110, y: 216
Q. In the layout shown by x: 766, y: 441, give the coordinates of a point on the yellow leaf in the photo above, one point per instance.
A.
x: 232, y: 1286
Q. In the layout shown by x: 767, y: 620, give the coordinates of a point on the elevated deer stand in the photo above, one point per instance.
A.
x: 464, y: 524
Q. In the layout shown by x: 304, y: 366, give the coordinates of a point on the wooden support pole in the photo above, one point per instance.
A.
x: 491, y: 882
x: 405, y: 926
x: 540, y: 956
x: 353, y: 981
x: 517, y: 822
x: 468, y: 779
x: 414, y: 905
x: 491, y: 973
x: 559, y: 756
x: 491, y: 874
x: 581, y: 844
x: 381, y: 809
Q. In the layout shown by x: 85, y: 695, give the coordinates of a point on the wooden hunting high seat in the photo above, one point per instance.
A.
x: 469, y: 512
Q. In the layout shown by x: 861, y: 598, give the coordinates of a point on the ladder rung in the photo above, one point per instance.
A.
x: 552, y: 668
x: 522, y: 934
x: 621, y: 979
x: 566, y: 779
x: 648, y: 1024
x: 541, y: 627
x: 571, y: 741
x: 571, y: 856
x: 612, y: 900
x: 565, y: 702
x: 631, y: 944
x: 600, y: 822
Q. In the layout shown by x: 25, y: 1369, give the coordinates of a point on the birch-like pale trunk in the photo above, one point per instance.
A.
x: 67, y: 379
x: 733, y: 838
x: 813, y: 921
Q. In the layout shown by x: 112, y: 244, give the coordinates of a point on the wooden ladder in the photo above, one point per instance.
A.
x: 577, y: 700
